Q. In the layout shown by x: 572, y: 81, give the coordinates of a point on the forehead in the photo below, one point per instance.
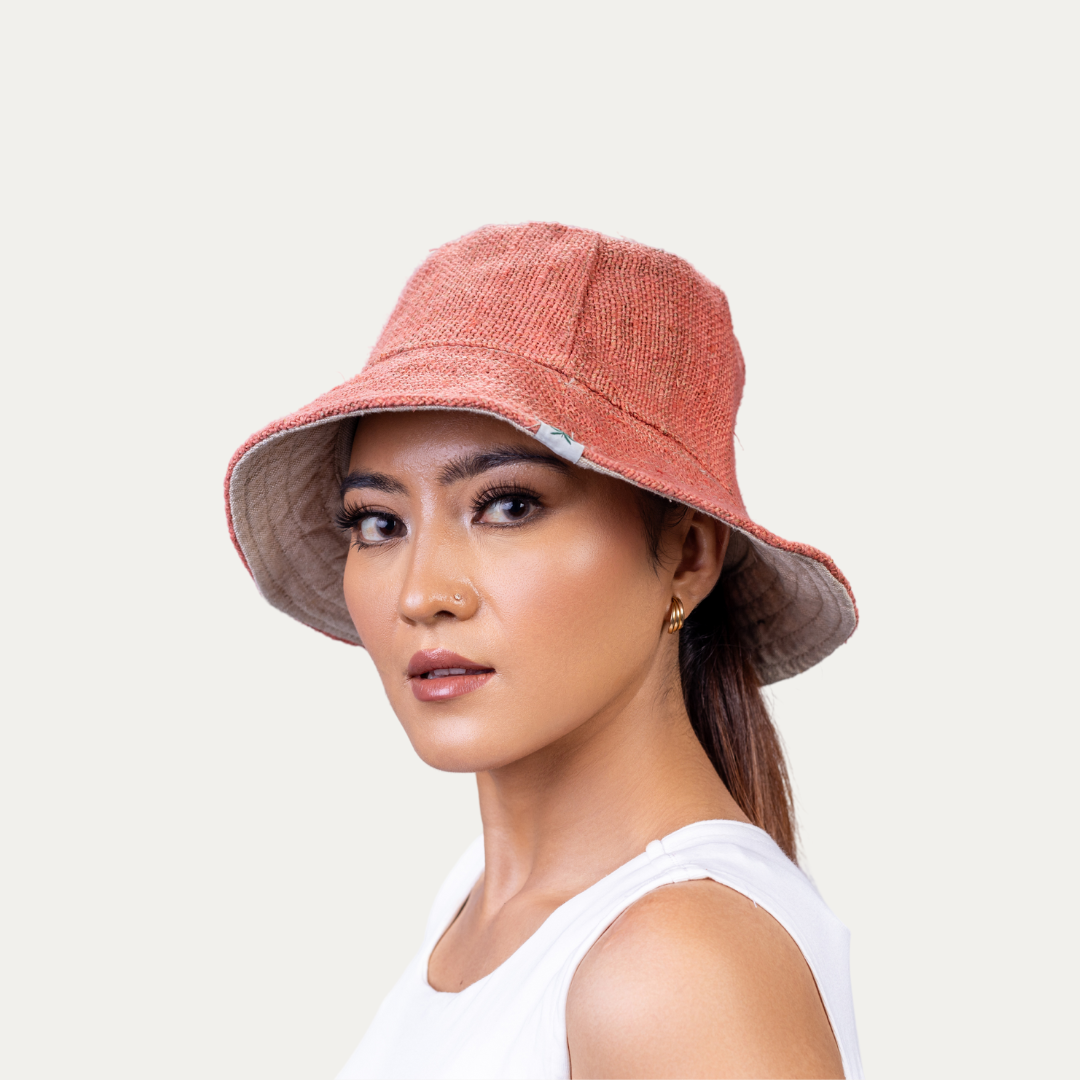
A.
x: 417, y: 440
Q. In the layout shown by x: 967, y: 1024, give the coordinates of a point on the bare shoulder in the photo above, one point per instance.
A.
x: 695, y: 980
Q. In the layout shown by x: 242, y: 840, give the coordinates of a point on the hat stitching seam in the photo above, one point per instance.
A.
x: 590, y: 276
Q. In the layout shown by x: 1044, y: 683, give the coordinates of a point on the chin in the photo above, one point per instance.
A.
x: 460, y: 754
x: 467, y: 743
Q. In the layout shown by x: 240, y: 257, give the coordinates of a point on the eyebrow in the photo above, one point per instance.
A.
x: 462, y: 468
x: 372, y: 481
x: 465, y: 468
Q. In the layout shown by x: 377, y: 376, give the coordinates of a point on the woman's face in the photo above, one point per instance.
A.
x: 506, y: 597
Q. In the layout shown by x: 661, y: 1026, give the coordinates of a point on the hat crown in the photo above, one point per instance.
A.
x: 636, y: 325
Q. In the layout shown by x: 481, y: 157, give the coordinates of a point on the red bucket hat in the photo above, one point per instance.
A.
x: 618, y: 357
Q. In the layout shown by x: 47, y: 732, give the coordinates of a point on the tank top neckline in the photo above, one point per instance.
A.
x: 673, y: 840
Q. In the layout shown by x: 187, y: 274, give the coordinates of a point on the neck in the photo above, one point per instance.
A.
x: 562, y: 818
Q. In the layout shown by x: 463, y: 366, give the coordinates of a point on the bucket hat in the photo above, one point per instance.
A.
x: 617, y: 356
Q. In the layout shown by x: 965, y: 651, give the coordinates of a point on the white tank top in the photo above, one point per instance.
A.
x: 512, y: 1022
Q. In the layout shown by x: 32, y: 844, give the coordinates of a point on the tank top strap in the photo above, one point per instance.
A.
x: 738, y: 855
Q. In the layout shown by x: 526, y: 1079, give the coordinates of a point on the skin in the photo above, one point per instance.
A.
x: 580, y: 741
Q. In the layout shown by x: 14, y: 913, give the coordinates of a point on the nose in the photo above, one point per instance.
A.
x: 434, y: 587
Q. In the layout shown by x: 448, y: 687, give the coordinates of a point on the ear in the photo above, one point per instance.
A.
x: 704, y: 546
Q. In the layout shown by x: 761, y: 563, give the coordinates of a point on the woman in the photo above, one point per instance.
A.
x: 525, y: 509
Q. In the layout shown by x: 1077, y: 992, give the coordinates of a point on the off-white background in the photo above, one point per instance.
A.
x: 218, y: 849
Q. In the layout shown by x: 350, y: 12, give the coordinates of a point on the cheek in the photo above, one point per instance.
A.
x: 577, y: 616
x: 371, y: 597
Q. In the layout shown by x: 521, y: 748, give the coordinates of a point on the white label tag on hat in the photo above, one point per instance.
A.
x: 559, y: 441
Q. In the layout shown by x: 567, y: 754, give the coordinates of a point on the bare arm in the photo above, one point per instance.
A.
x: 695, y: 981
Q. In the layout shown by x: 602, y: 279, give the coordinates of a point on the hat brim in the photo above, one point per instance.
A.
x: 791, y: 604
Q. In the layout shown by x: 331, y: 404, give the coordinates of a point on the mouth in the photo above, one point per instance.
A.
x: 438, y: 674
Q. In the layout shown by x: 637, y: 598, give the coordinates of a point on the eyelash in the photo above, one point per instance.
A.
x: 348, y: 519
x: 501, y: 491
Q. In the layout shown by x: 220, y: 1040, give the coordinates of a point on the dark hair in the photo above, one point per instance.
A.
x: 723, y: 696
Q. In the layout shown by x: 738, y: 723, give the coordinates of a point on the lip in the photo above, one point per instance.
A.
x: 468, y: 675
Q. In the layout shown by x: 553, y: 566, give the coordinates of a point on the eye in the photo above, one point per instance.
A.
x: 369, y: 527
x: 508, y: 509
x: 377, y: 528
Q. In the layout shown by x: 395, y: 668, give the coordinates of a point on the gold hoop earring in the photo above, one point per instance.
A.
x: 676, y: 616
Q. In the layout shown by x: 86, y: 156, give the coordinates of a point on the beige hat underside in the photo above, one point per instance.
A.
x: 284, y: 493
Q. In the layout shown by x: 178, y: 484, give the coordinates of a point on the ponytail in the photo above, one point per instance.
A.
x: 723, y: 696
x: 722, y: 692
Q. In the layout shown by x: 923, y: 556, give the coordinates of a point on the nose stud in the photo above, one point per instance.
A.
x: 457, y: 597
